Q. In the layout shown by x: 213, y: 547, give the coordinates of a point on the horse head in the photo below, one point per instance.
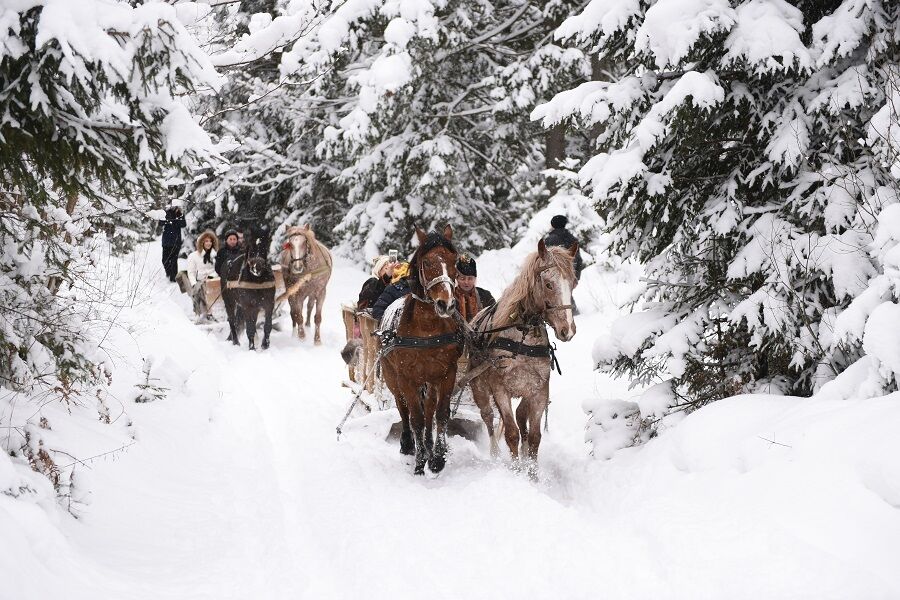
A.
x: 256, y: 251
x: 556, y: 280
x: 433, y: 270
x: 298, y: 247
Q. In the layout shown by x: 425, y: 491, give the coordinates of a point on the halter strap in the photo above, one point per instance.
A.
x: 436, y: 281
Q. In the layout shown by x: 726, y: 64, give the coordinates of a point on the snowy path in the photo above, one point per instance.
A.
x: 239, y: 489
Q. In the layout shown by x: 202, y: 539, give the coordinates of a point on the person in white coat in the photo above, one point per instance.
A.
x: 201, y: 266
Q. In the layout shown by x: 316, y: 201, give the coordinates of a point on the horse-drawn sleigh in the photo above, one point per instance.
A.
x: 252, y: 285
x: 509, y: 355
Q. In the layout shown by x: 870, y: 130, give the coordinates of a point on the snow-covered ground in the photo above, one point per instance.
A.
x: 237, y: 488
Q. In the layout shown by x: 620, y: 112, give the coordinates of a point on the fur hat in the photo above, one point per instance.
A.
x: 203, y: 236
x: 559, y: 221
x: 378, y: 264
x: 465, y: 265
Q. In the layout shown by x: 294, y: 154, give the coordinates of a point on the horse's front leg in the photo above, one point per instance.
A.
x: 442, y: 417
x: 482, y: 398
x: 231, y: 312
x: 522, y: 421
x: 429, y: 401
x: 320, y: 300
x: 389, y: 374
x: 301, y: 331
x: 417, y: 424
x: 250, y: 319
x: 267, y: 326
x: 537, y: 404
x: 510, y: 430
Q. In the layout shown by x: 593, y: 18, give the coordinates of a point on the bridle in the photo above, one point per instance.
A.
x: 432, y: 283
x: 302, y: 260
x: 550, y: 307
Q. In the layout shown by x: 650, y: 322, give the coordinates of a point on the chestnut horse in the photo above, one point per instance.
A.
x: 306, y: 265
x: 418, y: 362
x: 518, y: 358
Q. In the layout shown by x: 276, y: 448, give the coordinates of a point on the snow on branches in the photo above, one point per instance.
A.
x: 92, y: 123
x: 745, y: 153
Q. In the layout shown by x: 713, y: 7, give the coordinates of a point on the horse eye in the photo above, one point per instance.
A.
x: 549, y: 286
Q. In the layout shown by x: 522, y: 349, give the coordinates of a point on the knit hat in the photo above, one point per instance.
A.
x: 466, y: 266
x: 559, y: 221
x: 378, y: 264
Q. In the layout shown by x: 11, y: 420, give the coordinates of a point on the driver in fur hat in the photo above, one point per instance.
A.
x: 470, y: 298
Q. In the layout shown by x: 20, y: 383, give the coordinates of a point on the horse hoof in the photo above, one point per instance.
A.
x: 407, y: 446
x: 318, y: 342
x: 437, y: 464
x: 420, y: 470
x: 252, y: 346
x: 265, y: 345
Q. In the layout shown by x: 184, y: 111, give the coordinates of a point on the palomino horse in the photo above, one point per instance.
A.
x: 419, y: 363
x: 306, y: 265
x: 251, y: 286
x: 518, y: 357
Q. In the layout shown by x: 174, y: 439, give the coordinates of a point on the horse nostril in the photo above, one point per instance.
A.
x: 564, y: 333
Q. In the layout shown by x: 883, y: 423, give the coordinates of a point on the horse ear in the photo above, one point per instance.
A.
x: 448, y: 233
x: 306, y: 226
x: 573, y: 249
x: 542, y: 249
x: 420, y: 234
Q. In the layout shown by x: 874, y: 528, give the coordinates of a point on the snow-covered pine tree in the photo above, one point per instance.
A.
x: 267, y: 122
x: 732, y: 159
x: 427, y: 113
x: 92, y: 123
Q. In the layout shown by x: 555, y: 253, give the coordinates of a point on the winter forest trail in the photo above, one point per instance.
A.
x: 238, y: 489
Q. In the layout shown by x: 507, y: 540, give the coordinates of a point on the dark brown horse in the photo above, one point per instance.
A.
x: 251, y: 287
x: 419, y: 364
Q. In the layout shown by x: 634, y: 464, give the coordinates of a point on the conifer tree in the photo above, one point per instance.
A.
x: 733, y: 160
x: 93, y: 124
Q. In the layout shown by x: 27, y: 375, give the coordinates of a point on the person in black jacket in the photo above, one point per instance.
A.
x: 230, y: 251
x: 171, y: 238
x: 470, y: 298
x: 399, y: 287
x: 382, y: 273
x: 560, y: 236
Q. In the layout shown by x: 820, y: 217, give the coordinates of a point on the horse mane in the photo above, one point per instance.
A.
x: 519, y: 297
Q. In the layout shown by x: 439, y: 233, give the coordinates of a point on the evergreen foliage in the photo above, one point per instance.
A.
x: 736, y: 159
x: 91, y: 127
x: 382, y: 114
